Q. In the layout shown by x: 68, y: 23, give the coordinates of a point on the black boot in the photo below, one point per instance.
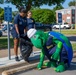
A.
x: 17, y: 58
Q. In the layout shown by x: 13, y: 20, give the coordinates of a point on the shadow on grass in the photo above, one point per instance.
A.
x: 72, y: 38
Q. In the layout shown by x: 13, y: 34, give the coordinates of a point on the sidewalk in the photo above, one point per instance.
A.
x: 5, y: 61
x: 4, y: 52
x: 6, y: 64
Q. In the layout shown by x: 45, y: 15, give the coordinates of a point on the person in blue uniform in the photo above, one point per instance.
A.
x: 30, y: 20
x: 19, y: 28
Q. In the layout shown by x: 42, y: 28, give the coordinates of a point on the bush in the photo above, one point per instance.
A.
x: 45, y: 16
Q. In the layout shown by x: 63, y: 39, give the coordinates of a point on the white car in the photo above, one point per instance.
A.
x: 62, y: 26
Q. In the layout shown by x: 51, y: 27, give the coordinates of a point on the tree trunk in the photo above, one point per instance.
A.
x: 28, y: 7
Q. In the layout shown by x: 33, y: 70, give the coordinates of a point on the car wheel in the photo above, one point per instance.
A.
x: 64, y: 28
x: 54, y: 28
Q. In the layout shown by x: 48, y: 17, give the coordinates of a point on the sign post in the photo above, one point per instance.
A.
x: 8, y: 18
x: 60, y: 20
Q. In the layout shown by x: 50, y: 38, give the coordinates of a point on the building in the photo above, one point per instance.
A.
x: 68, y: 15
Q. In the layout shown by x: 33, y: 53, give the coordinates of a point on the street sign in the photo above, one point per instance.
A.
x: 60, y: 20
x: 59, y: 17
x: 8, y: 14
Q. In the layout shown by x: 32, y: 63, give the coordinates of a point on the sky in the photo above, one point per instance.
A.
x: 65, y: 5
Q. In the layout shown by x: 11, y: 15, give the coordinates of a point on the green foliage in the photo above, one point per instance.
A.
x: 14, y: 13
x: 35, y: 3
x: 72, y: 3
x: 58, y: 7
x: 1, y: 1
x: 1, y: 13
x: 43, y: 15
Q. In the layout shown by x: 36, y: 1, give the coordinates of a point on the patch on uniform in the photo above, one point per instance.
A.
x: 32, y: 21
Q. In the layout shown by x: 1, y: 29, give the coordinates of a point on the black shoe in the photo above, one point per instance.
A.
x: 17, y: 59
x: 21, y: 57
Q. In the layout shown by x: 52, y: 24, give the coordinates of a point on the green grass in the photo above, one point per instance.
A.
x: 4, y: 42
x: 74, y: 46
x: 67, y: 31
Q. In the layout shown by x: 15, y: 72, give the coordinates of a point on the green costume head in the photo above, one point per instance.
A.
x: 38, y: 38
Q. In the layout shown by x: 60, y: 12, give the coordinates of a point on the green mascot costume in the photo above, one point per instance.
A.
x: 55, y: 46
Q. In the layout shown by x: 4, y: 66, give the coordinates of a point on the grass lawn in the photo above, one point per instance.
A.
x: 67, y: 31
x: 4, y: 44
x: 74, y: 46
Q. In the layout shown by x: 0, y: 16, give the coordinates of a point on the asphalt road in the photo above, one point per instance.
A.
x: 50, y: 71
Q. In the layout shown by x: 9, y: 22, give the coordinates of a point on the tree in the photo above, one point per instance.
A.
x: 58, y: 7
x: 45, y: 16
x: 1, y: 1
x: 72, y: 3
x: 1, y: 13
x: 36, y: 3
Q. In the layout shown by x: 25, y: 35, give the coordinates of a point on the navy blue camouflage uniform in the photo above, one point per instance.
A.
x: 22, y: 24
x: 30, y: 23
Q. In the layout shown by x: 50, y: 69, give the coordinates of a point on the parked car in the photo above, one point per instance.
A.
x: 0, y: 33
x: 63, y: 26
x: 5, y: 27
x: 41, y: 26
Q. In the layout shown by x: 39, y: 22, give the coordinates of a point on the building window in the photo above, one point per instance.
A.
x: 73, y: 11
x: 64, y: 12
x: 73, y: 19
x: 68, y: 20
x: 68, y: 12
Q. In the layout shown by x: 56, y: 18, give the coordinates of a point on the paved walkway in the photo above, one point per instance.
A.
x: 4, y: 52
x: 5, y: 61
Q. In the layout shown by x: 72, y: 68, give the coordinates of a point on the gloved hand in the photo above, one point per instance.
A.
x: 18, y: 35
x: 56, y: 55
x: 23, y: 35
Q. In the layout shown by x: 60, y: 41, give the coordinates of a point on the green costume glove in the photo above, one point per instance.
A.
x: 56, y: 55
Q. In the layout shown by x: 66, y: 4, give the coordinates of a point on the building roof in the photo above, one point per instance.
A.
x: 69, y: 8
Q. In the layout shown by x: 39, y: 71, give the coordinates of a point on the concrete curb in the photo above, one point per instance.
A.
x: 7, y: 67
x: 22, y: 68
x: 12, y: 71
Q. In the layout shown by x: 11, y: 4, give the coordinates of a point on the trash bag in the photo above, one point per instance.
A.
x: 25, y: 47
